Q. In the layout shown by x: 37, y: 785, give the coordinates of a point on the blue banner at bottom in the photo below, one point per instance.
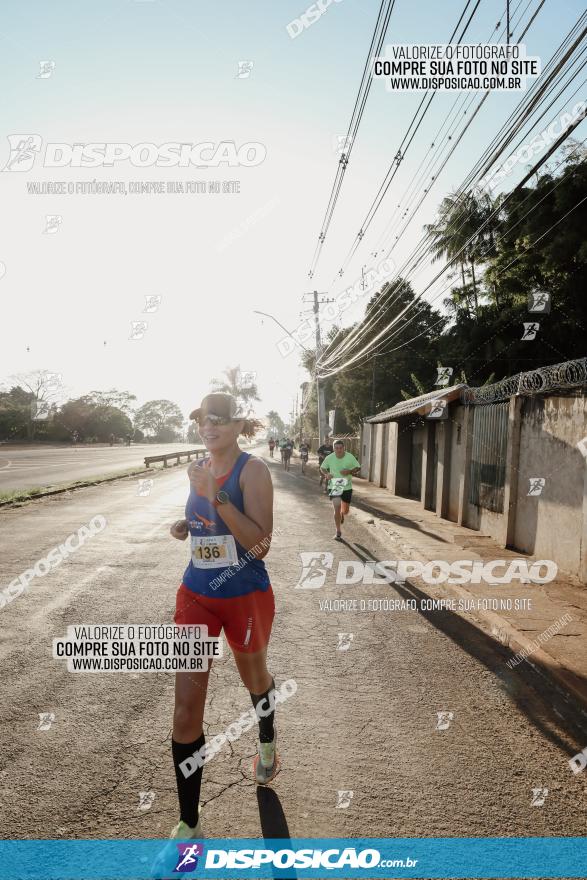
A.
x: 457, y: 857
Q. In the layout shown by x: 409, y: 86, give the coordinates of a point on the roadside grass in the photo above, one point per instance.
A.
x: 21, y: 496
x: 18, y: 496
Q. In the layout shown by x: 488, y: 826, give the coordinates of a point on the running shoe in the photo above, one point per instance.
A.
x: 183, y: 831
x: 166, y: 860
x: 266, y: 763
x: 338, y: 536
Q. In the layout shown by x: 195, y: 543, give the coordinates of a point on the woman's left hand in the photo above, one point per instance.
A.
x: 203, y: 481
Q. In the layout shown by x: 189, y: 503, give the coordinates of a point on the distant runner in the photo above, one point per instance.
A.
x: 271, y: 446
x: 286, y: 453
x: 340, y: 466
x: 324, y: 450
x: 304, y: 453
x: 282, y: 444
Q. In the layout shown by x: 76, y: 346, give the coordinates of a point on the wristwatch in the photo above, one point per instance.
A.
x: 222, y: 497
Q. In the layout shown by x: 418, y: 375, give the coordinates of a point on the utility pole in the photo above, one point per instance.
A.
x: 319, y: 388
x: 373, y: 386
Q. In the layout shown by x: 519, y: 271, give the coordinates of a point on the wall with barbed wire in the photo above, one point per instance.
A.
x: 558, y: 377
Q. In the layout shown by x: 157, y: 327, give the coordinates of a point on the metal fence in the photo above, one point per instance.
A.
x: 490, y: 440
x: 570, y: 374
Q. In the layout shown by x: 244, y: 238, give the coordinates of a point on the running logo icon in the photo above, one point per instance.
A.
x: 39, y: 410
x: 152, y: 303
x: 537, y: 484
x: 23, y: 151
x: 314, y: 567
x: 343, y: 799
x: 539, y: 302
x: 138, y: 329
x: 144, y: 488
x: 46, y: 69
x: 46, y: 719
x: 444, y: 719
x: 343, y: 144
x: 245, y: 68
x: 146, y: 799
x: 438, y: 410
x: 530, y: 330
x: 188, y: 857
x: 444, y: 375
x: 539, y: 795
x: 344, y: 641
x: 52, y: 223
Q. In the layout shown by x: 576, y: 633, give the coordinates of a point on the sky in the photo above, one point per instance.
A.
x: 160, y: 71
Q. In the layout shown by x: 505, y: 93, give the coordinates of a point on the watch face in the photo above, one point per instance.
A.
x: 223, y: 497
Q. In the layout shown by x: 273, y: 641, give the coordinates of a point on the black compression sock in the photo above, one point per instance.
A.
x: 266, y: 730
x: 188, y: 790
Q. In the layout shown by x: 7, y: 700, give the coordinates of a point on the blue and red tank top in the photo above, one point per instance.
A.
x: 237, y: 572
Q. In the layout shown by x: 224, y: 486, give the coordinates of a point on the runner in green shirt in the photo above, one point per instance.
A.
x: 340, y: 466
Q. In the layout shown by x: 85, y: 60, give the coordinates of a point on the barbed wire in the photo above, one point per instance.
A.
x: 570, y: 374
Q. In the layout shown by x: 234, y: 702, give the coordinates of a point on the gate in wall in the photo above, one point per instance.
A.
x: 488, y: 458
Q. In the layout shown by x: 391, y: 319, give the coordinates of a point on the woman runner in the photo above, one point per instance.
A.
x: 229, y: 516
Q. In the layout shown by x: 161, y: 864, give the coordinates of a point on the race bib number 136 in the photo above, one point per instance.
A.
x: 213, y: 551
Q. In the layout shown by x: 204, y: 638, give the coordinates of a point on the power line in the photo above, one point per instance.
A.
x: 359, y: 331
x: 381, y: 25
x: 401, y: 151
x: 345, y: 343
x: 366, y: 356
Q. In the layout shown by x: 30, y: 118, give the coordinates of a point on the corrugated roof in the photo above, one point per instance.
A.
x: 420, y: 405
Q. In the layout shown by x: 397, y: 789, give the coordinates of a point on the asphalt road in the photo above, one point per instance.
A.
x: 26, y: 467
x: 363, y: 720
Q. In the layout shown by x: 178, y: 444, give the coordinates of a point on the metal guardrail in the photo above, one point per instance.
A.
x: 570, y: 374
x: 150, y: 459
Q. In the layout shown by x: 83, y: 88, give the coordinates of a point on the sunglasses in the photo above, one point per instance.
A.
x: 215, y: 420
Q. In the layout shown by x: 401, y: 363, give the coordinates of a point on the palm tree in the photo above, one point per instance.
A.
x: 456, y: 237
x: 241, y: 385
x: 407, y: 395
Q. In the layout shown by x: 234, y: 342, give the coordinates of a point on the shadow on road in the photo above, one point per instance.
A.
x: 273, y: 821
x: 553, y: 710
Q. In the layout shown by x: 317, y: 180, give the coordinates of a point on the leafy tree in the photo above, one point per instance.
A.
x: 536, y: 240
x: 91, y: 421
x: 410, y: 346
x: 122, y: 400
x: 275, y: 423
x: 193, y: 435
x: 161, y: 419
x: 44, y: 388
x: 15, y: 413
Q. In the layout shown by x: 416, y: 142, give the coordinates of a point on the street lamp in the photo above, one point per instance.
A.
x: 273, y: 318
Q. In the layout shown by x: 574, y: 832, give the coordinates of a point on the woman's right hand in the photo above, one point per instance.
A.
x: 179, y: 529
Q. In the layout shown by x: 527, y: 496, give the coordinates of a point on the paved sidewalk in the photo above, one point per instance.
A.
x: 560, y: 653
